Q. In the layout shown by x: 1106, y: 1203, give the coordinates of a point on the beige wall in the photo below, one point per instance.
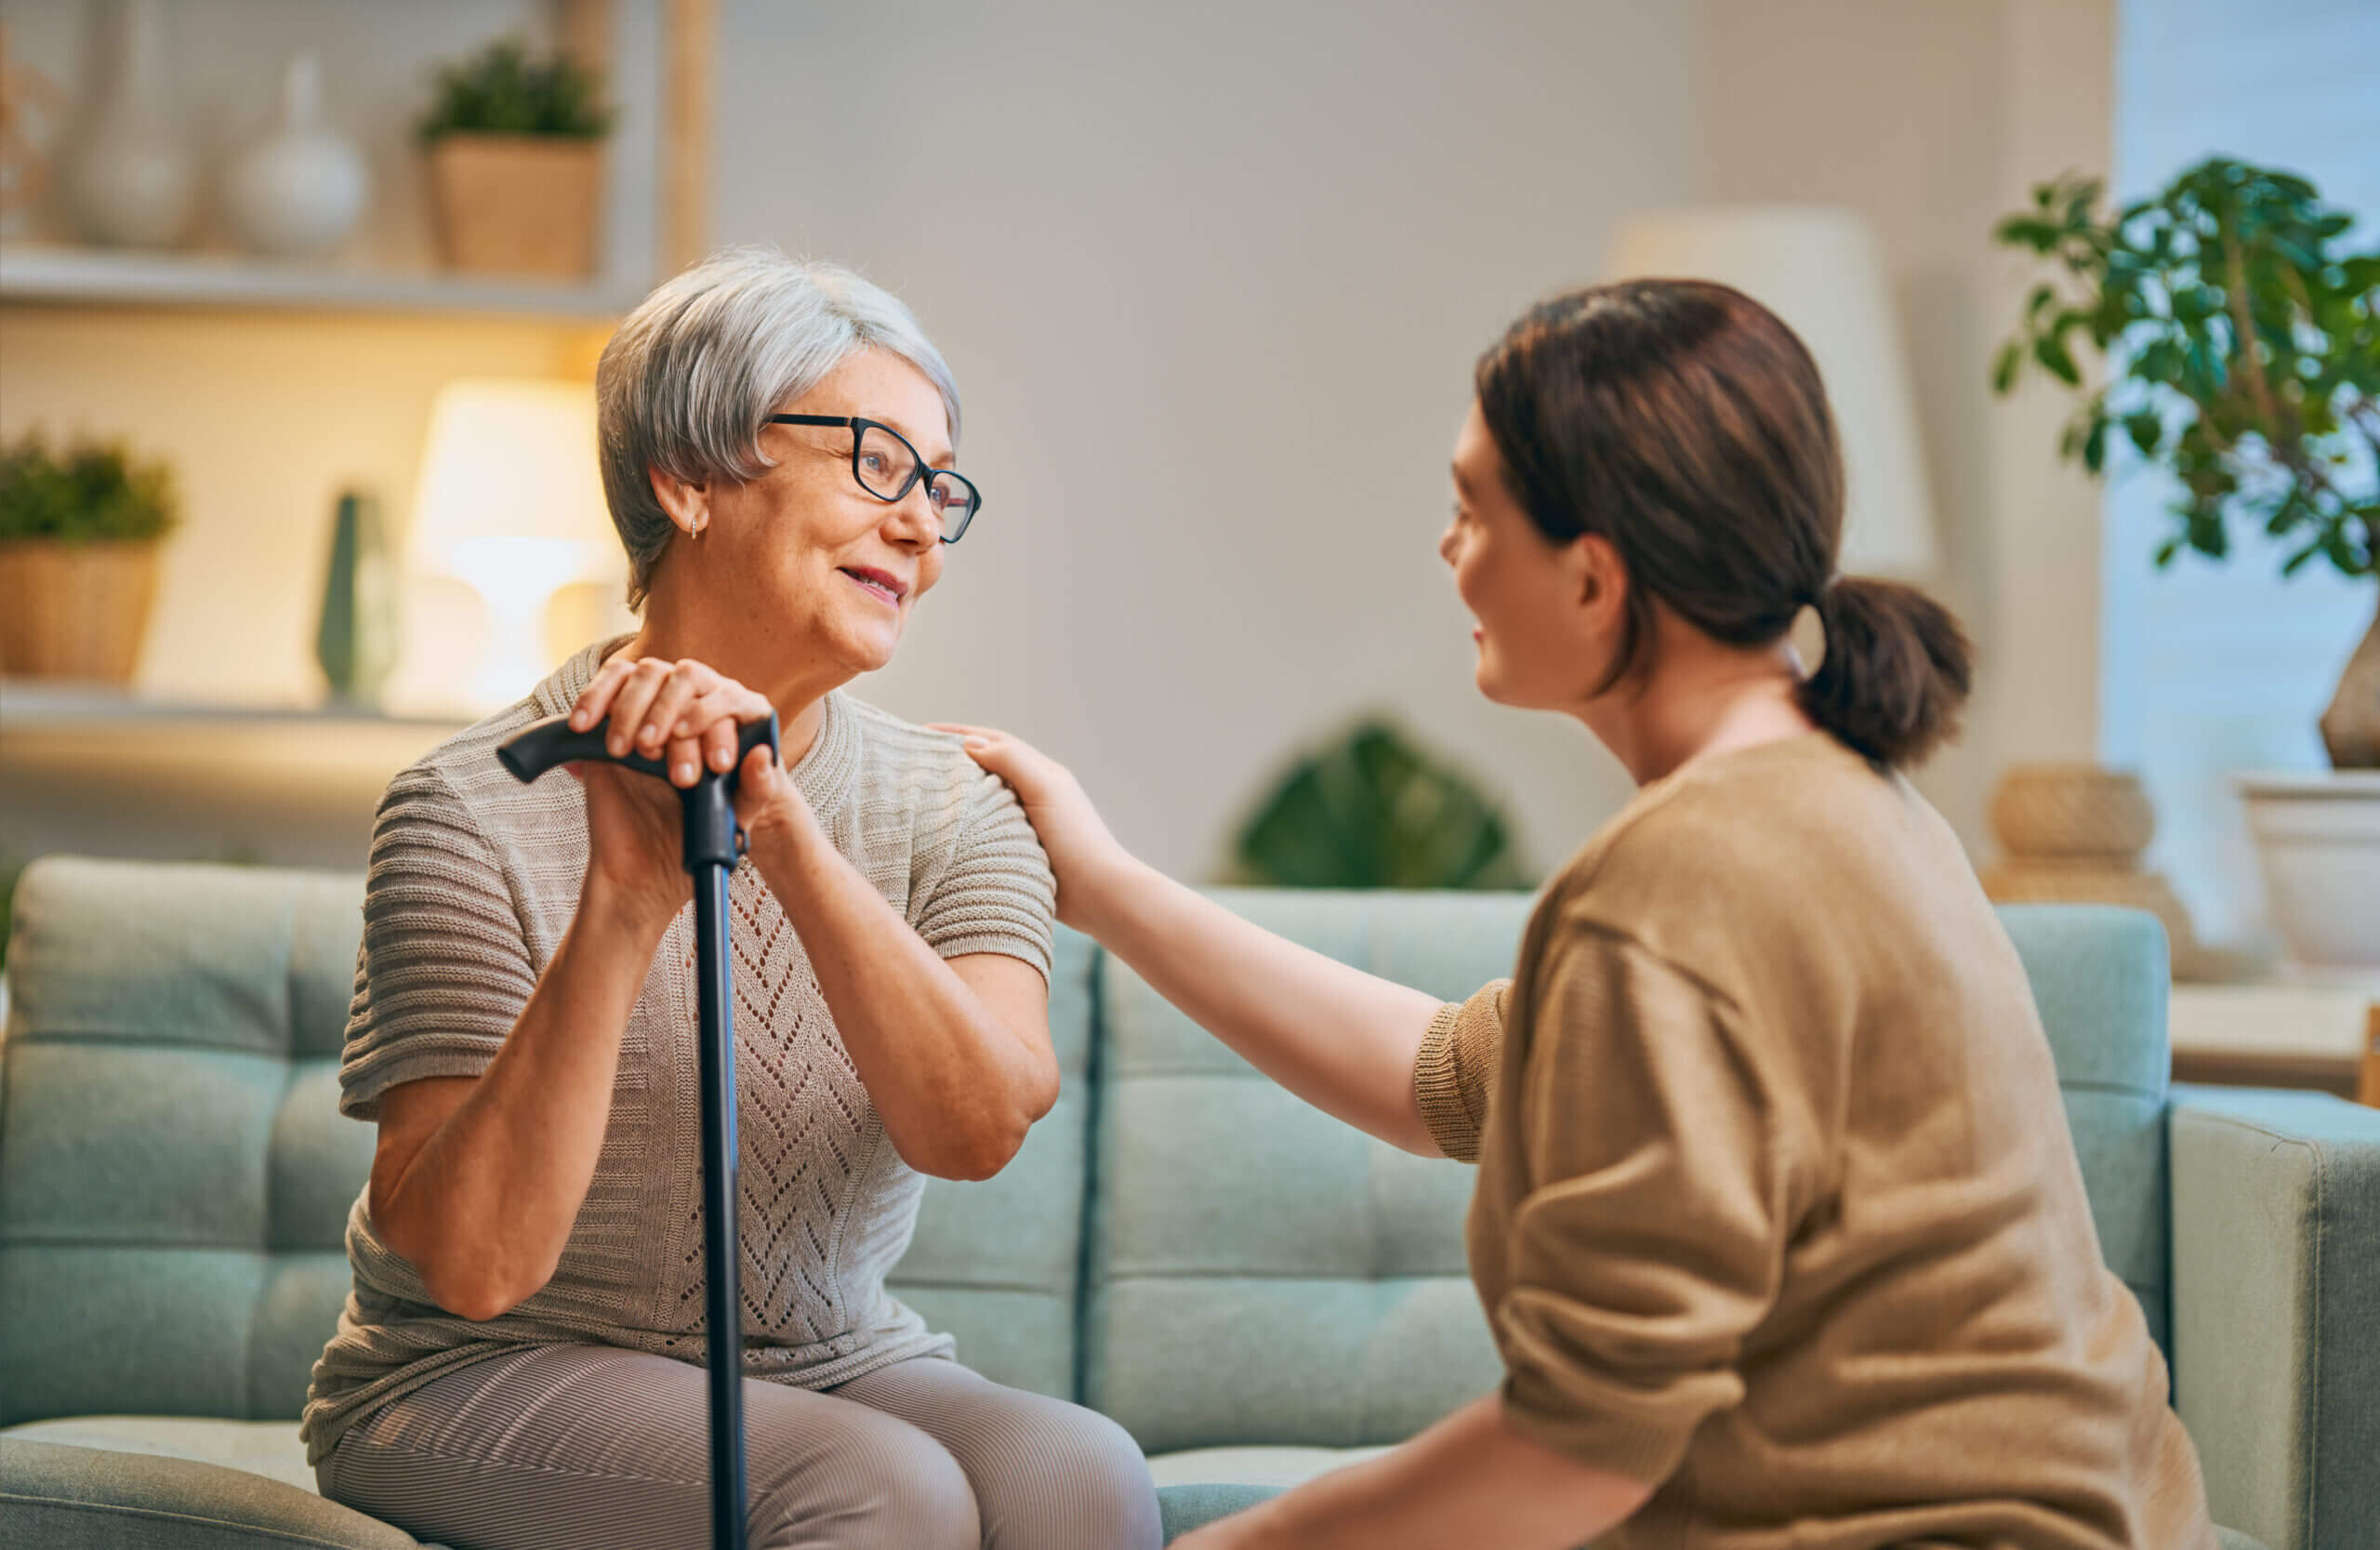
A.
x: 1212, y: 278
x: 1934, y: 117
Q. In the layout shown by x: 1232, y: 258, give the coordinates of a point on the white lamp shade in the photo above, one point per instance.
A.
x: 510, y: 500
x: 1818, y: 268
x: 512, y: 458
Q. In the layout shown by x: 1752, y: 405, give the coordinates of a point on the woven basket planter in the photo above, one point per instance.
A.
x: 524, y: 204
x: 75, y: 610
x: 2071, y: 811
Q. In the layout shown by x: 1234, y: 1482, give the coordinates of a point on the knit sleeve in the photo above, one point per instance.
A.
x: 444, y: 968
x: 995, y: 894
x: 1662, y: 1149
x: 1453, y: 1074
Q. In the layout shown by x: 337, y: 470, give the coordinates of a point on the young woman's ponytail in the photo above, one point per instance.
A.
x: 1683, y: 422
x: 1896, y: 673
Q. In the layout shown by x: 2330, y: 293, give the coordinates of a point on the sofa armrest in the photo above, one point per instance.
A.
x: 64, y: 1497
x: 2276, y: 1316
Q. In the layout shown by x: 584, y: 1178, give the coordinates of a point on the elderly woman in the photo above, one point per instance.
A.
x: 519, y: 1364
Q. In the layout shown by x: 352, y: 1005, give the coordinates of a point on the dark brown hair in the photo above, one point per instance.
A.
x: 1681, y: 423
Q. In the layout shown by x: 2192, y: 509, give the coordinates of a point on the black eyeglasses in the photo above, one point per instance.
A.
x: 888, y: 466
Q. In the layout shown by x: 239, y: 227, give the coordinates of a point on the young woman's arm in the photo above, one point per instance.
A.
x: 1344, y: 1040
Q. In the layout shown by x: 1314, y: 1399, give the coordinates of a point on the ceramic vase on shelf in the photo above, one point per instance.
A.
x: 356, y: 643
x: 2074, y: 834
x: 132, y: 180
x: 298, y: 191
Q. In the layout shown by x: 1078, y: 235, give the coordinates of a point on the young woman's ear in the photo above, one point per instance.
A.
x: 688, y: 504
x: 1598, y: 580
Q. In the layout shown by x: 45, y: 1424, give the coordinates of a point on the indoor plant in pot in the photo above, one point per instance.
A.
x: 516, y: 163
x: 79, y: 532
x: 2241, y: 340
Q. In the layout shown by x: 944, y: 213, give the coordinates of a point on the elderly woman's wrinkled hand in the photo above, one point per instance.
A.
x: 683, y: 714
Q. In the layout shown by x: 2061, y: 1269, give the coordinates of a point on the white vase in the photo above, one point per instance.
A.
x: 299, y: 190
x: 133, y: 179
x: 2318, y: 838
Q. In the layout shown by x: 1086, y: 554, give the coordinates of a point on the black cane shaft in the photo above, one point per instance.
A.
x: 725, y: 1321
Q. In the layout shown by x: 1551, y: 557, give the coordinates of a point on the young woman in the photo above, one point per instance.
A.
x: 1778, y: 1225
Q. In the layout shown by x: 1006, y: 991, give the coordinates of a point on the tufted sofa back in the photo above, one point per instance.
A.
x: 174, y: 1176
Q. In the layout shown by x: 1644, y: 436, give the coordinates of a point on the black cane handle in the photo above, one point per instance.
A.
x: 537, y: 748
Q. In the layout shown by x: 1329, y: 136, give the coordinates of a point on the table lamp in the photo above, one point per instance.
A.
x: 510, y: 501
x: 1818, y: 268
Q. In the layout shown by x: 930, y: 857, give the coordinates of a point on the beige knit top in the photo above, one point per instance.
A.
x: 473, y: 879
x: 1777, y: 1210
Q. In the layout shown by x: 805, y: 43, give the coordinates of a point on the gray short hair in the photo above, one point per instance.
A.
x: 691, y: 376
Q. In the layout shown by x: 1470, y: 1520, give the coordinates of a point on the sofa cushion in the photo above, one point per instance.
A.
x: 174, y: 1177
x: 2101, y: 978
x: 147, y: 997
x: 265, y: 1448
x: 1260, y: 1272
x: 64, y: 1497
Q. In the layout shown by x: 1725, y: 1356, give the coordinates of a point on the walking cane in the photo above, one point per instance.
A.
x: 712, y: 844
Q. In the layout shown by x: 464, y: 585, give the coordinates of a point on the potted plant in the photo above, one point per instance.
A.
x: 516, y: 163
x: 1370, y: 810
x: 2241, y: 340
x: 78, y: 557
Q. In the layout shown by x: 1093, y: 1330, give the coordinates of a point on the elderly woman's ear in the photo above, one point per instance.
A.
x: 687, y: 504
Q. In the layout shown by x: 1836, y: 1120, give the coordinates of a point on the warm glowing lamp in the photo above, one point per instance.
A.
x: 510, y: 502
x: 1817, y: 267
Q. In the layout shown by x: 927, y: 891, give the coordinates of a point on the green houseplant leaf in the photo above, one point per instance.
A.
x: 1370, y: 810
x: 505, y: 90
x: 2241, y: 350
x: 90, y: 493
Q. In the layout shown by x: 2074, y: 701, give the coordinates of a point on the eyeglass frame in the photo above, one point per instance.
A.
x: 859, y: 428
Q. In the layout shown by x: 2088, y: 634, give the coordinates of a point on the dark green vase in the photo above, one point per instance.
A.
x: 357, y: 642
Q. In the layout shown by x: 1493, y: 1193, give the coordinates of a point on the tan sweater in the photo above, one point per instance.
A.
x: 1777, y: 1205
x: 473, y: 879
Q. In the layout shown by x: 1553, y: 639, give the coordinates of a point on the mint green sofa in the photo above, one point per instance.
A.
x: 1248, y: 1286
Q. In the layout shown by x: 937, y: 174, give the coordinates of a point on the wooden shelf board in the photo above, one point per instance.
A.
x: 43, y: 274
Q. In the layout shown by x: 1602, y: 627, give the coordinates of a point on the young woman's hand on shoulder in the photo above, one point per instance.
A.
x: 1088, y: 861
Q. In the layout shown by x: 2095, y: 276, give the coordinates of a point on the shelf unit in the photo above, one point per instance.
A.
x: 89, y: 770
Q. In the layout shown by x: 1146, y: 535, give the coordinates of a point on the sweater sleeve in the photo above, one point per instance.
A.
x: 997, y: 893
x: 1662, y: 1149
x: 1456, y: 1067
x: 444, y: 968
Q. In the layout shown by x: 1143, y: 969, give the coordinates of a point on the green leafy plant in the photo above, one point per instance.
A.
x: 2242, y: 352
x: 1370, y: 810
x: 505, y: 90
x: 90, y: 493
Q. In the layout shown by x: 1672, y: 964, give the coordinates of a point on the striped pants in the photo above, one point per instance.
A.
x: 584, y: 1447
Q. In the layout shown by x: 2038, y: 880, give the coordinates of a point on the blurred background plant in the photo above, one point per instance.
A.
x: 504, y: 89
x: 91, y: 492
x: 1371, y: 810
x: 2242, y: 352
x: 2241, y: 342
